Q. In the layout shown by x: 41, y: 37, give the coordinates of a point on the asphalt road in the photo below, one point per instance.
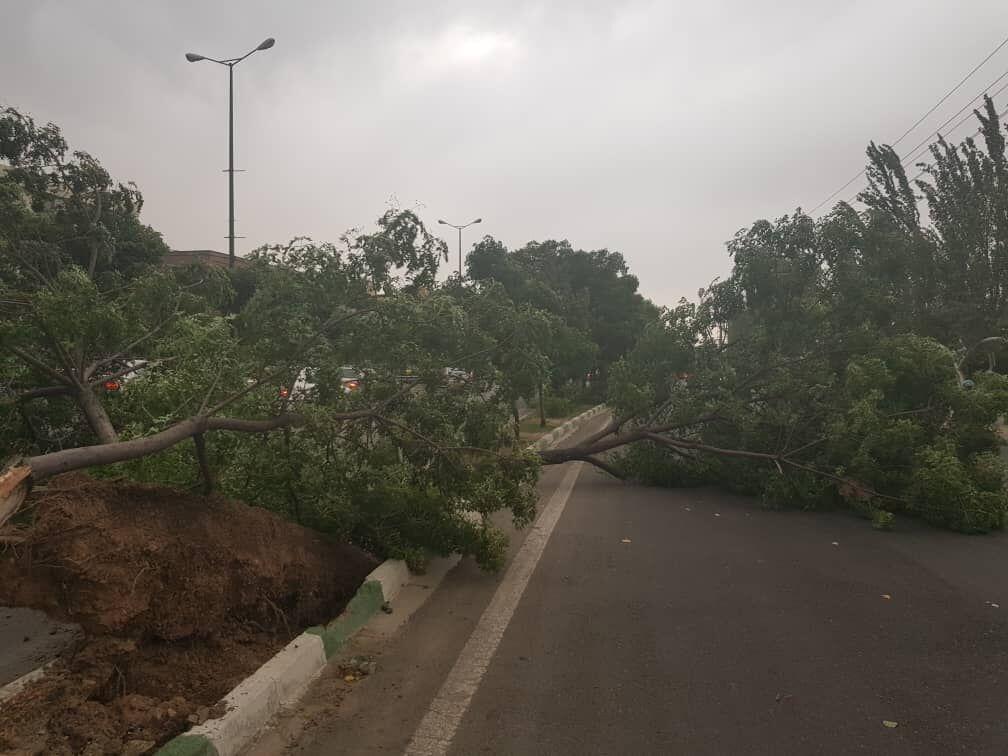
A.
x: 695, y: 622
x: 29, y: 640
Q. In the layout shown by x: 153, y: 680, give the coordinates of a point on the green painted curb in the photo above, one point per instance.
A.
x: 187, y: 745
x: 364, y: 605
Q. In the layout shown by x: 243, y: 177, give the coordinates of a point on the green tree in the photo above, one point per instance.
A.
x: 840, y: 363
x: 592, y: 292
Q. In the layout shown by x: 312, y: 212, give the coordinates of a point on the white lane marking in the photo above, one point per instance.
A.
x: 437, y: 728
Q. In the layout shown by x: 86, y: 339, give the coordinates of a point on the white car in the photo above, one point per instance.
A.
x: 456, y: 375
x: 351, y: 380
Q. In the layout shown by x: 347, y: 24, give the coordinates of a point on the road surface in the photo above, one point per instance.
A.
x: 29, y: 640
x: 692, y: 622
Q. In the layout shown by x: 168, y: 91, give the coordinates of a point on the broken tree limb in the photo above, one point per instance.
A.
x: 14, y: 485
x: 47, y: 465
x: 36, y: 393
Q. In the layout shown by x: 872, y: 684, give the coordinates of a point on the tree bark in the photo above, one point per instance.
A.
x: 96, y: 415
x: 204, y: 463
x: 517, y: 420
x: 542, y: 406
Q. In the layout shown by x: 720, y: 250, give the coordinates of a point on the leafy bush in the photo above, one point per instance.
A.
x: 557, y: 406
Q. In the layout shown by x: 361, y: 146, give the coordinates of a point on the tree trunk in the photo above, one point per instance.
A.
x: 542, y: 407
x: 517, y: 420
x: 204, y: 464
x: 46, y: 465
x: 96, y: 416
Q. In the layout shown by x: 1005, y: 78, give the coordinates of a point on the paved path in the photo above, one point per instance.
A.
x: 694, y: 622
x: 29, y: 639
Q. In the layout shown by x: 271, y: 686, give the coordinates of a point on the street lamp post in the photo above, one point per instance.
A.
x: 459, y: 228
x: 266, y: 44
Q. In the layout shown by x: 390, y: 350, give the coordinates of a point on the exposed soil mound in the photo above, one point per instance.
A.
x: 182, y: 596
x: 144, y: 561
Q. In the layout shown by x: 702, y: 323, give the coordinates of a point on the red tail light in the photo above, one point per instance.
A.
x: 112, y: 385
x: 284, y: 392
x: 353, y: 385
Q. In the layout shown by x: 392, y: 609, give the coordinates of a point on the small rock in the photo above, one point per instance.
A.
x: 889, y: 723
x: 387, y: 608
x: 203, y: 714
x: 193, y: 719
x: 835, y: 543
x: 349, y: 678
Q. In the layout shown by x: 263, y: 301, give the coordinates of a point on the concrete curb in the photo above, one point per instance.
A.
x: 15, y: 686
x: 557, y: 435
x: 281, y: 681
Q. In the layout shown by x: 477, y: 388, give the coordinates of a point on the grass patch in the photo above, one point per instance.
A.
x: 531, y: 430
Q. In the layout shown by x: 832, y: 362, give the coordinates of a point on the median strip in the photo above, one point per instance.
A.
x: 282, y: 681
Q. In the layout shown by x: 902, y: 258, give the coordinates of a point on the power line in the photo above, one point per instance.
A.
x: 951, y: 92
x: 916, y: 152
x: 908, y: 161
x: 927, y: 140
x: 919, y: 120
x: 975, y: 133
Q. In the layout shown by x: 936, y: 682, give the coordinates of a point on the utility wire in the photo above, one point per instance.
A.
x: 926, y: 143
x: 919, y: 120
x: 974, y: 134
x: 923, y: 170
x: 951, y: 91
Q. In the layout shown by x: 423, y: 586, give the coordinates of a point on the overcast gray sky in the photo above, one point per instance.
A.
x: 654, y: 128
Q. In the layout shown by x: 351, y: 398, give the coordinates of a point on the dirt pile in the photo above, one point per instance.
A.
x: 181, y: 595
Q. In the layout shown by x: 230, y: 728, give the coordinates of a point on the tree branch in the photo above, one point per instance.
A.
x: 42, y: 367
x: 36, y: 393
x: 124, y: 352
x: 271, y: 374
x: 125, y: 370
x: 586, y: 452
x: 613, y: 426
x: 47, y: 465
x: 604, y: 466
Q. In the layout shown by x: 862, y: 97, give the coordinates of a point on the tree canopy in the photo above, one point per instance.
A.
x: 848, y: 360
x: 844, y: 360
x: 592, y: 293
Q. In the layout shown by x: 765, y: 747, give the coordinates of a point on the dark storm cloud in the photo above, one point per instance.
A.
x: 654, y: 128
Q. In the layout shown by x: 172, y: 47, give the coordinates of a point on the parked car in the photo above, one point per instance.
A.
x: 408, y: 376
x: 121, y: 372
x: 456, y: 375
x: 351, y: 379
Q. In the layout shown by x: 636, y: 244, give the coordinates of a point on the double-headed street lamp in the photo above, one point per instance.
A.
x: 459, y: 228
x: 266, y: 44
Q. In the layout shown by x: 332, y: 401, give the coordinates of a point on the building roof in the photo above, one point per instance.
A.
x: 178, y: 258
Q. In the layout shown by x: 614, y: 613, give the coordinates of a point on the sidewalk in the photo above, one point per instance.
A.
x: 28, y: 640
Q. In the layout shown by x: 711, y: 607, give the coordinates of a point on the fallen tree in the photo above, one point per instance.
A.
x: 815, y: 375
